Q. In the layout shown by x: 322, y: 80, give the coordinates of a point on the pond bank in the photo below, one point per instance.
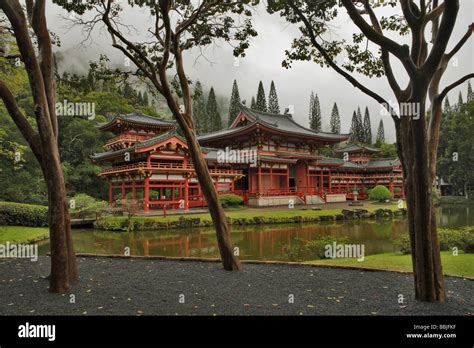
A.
x: 241, y: 218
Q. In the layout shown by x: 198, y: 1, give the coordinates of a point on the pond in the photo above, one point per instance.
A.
x: 258, y: 242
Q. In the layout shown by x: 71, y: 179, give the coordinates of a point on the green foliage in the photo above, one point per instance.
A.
x: 294, y: 252
x: 461, y: 239
x: 234, y: 108
x: 315, y: 122
x: 215, y: 121
x: 261, y: 102
x: 380, y: 134
x: 17, y: 214
x: 387, y: 150
x: 335, y: 122
x: 253, y: 103
x: 317, y: 247
x: 85, y: 203
x: 357, y: 128
x: 456, y: 150
x: 199, y: 109
x: 229, y: 200
x: 273, y: 104
x: 379, y: 193
x: 367, y: 127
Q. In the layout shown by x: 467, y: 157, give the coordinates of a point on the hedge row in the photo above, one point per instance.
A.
x: 462, y: 239
x: 18, y: 214
x: 121, y: 223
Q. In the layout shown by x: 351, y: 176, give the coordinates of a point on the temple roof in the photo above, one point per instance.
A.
x: 355, y: 148
x: 142, y: 144
x: 373, y: 164
x: 277, y: 122
x: 211, y: 153
x: 136, y: 118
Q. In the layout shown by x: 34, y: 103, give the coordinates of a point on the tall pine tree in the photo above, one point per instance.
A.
x: 360, y: 127
x: 310, y: 112
x: 261, y: 103
x: 380, y: 134
x: 367, y: 127
x: 199, y: 109
x: 470, y: 95
x: 354, y: 137
x: 460, y: 101
x: 315, y: 114
x: 234, y: 108
x: 273, y: 104
x: 447, y: 105
x: 145, y: 99
x: 335, y: 122
x: 215, y: 121
x: 253, y: 103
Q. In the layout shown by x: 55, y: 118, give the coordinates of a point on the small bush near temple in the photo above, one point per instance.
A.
x: 379, y: 193
x: 231, y: 200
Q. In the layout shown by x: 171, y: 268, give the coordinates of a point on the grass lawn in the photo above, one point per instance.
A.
x: 21, y: 234
x: 461, y: 265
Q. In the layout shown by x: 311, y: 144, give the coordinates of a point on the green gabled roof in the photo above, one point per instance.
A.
x: 356, y: 148
x: 278, y: 122
x: 158, y: 139
x: 136, y: 118
x: 383, y: 163
x: 285, y: 122
x: 140, y: 145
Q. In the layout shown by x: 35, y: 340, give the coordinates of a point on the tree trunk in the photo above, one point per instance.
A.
x: 63, y: 258
x: 224, y: 241
x: 427, y: 270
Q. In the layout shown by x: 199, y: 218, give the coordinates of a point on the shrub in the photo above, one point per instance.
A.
x: 317, y: 247
x: 403, y: 244
x: 379, y: 193
x: 17, y: 214
x: 463, y: 239
x: 468, y: 242
x: 295, y: 251
x: 230, y: 200
x: 84, y: 205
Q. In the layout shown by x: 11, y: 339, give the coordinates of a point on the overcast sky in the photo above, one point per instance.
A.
x: 263, y: 62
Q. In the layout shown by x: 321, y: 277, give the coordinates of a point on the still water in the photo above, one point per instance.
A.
x: 258, y: 242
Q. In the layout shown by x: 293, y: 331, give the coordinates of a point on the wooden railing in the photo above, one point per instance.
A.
x: 165, y: 166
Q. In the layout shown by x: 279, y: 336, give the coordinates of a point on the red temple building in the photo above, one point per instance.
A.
x: 268, y: 159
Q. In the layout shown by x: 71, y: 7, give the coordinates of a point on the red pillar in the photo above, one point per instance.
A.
x: 271, y: 177
x: 321, y: 189
x: 330, y: 182
x: 287, y: 178
x: 123, y: 194
x: 134, y: 195
x: 111, y: 196
x: 259, y: 180
x: 186, y: 194
x: 146, y: 206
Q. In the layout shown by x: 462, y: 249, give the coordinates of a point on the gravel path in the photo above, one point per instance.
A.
x: 153, y: 287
